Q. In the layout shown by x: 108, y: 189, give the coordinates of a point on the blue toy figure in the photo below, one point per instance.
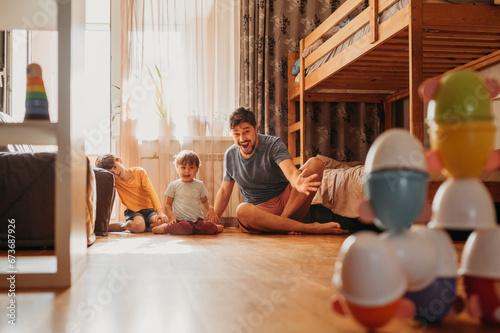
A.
x: 395, y: 181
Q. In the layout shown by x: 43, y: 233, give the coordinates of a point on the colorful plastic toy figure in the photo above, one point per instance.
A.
x: 439, y: 297
x: 395, y: 181
x: 462, y: 204
x: 461, y: 124
x: 369, y: 280
x: 462, y: 131
x: 481, y: 272
x: 416, y: 256
x: 37, y: 106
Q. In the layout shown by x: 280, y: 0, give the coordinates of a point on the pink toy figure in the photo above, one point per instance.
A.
x: 370, y: 282
x: 461, y: 125
x: 481, y: 272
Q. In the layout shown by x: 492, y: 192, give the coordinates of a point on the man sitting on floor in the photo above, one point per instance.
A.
x: 276, y: 194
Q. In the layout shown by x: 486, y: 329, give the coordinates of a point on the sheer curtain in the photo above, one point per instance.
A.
x: 179, y: 60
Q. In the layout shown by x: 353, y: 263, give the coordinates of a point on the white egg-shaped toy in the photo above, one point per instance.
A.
x: 481, y: 274
x: 481, y: 254
x: 367, y: 271
x: 446, y: 255
x: 463, y: 204
x: 416, y: 255
x: 395, y: 149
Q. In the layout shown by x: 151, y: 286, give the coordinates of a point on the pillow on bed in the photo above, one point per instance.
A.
x: 311, y: 48
x: 307, y: 51
x: 296, y: 67
x: 331, y: 163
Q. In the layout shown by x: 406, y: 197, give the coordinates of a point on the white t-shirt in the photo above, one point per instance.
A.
x: 187, y: 199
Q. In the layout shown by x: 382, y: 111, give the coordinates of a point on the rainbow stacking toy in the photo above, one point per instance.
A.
x: 37, y: 106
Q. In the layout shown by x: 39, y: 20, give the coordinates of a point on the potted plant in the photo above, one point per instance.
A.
x: 166, y: 125
x: 161, y: 103
x: 219, y: 123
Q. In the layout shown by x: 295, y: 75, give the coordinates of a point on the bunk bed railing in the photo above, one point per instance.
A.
x: 367, y: 16
x: 335, y: 18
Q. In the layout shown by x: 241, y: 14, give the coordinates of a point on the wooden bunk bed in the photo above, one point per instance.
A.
x: 423, y: 39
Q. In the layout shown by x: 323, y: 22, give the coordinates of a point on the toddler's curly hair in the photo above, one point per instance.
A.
x: 187, y: 157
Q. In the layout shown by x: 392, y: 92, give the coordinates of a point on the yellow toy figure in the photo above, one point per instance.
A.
x: 37, y: 106
x: 462, y: 133
x: 461, y: 125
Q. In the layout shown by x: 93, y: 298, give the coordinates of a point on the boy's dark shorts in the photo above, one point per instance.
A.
x: 145, y: 213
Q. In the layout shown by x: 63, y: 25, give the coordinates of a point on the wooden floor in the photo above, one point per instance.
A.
x: 231, y: 282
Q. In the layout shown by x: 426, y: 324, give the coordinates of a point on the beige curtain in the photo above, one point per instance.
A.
x: 178, y: 85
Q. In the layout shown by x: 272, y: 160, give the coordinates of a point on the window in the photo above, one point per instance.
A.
x: 96, y: 128
x: 41, y: 47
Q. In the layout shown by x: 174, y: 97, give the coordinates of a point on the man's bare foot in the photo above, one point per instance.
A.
x: 160, y: 229
x: 330, y: 228
x: 220, y: 228
x: 115, y: 227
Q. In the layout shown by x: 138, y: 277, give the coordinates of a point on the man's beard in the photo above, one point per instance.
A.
x: 251, y: 151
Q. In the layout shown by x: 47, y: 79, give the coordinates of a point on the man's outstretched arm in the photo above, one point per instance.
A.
x: 302, y: 180
x: 222, y: 197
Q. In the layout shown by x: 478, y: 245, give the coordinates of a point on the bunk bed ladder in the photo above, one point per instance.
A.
x: 297, y: 127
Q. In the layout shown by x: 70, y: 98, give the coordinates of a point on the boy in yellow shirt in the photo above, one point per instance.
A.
x: 137, y: 194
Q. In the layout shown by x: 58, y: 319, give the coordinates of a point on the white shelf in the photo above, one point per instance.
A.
x: 70, y: 242
x: 36, y: 132
x: 30, y: 265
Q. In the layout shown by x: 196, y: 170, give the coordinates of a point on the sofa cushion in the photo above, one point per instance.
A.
x: 91, y: 202
x: 27, y: 192
x: 105, y: 198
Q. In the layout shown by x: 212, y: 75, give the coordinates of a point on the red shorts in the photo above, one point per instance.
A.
x: 274, y: 206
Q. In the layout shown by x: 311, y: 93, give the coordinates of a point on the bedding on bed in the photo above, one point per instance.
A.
x: 341, y: 190
x: 351, y: 40
x: 363, y: 31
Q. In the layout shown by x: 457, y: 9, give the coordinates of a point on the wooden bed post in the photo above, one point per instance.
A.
x: 373, y: 21
x: 416, y: 71
x: 302, y: 119
x: 292, y: 135
x: 387, y: 114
